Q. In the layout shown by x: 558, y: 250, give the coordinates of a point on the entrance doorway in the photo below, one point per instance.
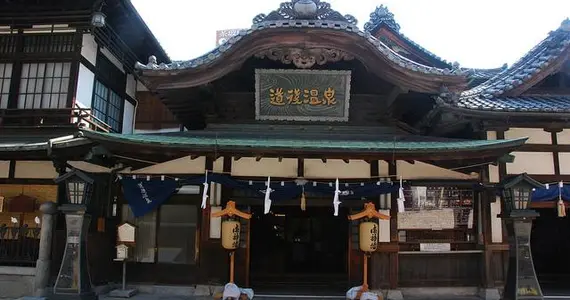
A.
x: 550, y: 242
x: 293, y: 249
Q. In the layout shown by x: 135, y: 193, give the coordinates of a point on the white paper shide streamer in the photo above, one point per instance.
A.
x: 401, y: 197
x: 336, y: 201
x: 205, y: 192
x: 267, y: 202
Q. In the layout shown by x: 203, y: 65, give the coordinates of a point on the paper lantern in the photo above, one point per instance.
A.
x: 368, y: 236
x: 230, y: 234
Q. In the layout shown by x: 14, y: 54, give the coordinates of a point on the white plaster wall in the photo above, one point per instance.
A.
x: 421, y: 170
x: 564, y: 158
x: 383, y: 168
x: 113, y: 59
x: 184, y: 165
x: 493, y: 174
x: 128, y: 117
x: 85, y: 82
x: 131, y: 88
x: 496, y: 222
x: 89, y: 48
x: 491, y: 135
x: 336, y: 168
x: 4, y: 168
x: 535, y: 135
x: 89, y: 167
x: 532, y: 163
x: 35, y: 170
x: 247, y: 166
x: 384, y: 227
x: 563, y: 137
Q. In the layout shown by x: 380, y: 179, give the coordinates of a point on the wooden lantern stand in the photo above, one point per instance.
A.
x: 231, y: 211
x: 369, y: 212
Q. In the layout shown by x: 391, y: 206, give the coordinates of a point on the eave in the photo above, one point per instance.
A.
x: 379, y: 58
x: 183, y: 145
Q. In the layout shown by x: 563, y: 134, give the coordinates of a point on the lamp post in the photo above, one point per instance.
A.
x: 73, y: 280
x: 521, y: 282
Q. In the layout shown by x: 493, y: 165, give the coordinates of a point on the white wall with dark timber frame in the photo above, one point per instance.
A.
x: 87, y: 88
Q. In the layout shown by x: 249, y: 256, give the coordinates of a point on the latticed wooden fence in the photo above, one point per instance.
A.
x: 19, y: 238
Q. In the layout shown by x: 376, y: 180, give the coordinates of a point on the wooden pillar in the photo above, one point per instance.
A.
x: 393, y: 277
x: 488, y: 280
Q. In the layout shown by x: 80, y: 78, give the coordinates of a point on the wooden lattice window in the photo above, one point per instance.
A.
x: 8, y: 43
x: 44, y: 85
x: 49, y: 43
x: 5, y: 80
x: 108, y: 106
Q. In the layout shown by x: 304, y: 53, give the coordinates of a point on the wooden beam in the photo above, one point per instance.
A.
x: 236, y: 158
x: 193, y: 157
x: 412, y: 162
x: 324, y: 160
x: 280, y: 158
x: 393, y: 95
x: 300, y: 167
x: 347, y: 161
x: 258, y: 158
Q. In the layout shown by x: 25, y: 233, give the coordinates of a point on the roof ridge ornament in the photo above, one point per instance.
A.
x: 305, y: 10
x: 381, y: 15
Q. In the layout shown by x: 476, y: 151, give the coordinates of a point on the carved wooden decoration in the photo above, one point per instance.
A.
x: 305, y: 58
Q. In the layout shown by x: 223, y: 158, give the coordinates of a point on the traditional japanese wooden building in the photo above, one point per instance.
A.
x: 305, y: 98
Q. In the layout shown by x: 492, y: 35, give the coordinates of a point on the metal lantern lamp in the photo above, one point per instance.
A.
x: 231, y: 228
x: 368, y: 236
x: 98, y: 19
x: 516, y: 193
x: 73, y: 280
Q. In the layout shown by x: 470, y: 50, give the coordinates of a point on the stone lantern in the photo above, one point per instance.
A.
x: 516, y: 193
x: 73, y: 280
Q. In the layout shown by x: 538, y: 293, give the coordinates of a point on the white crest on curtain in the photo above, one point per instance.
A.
x: 401, y: 197
x: 336, y: 201
x: 267, y: 201
x: 205, y: 192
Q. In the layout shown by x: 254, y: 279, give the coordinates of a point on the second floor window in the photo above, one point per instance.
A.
x: 44, y: 85
x: 5, y: 75
x: 107, y: 106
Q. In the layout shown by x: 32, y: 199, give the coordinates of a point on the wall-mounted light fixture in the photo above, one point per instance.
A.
x: 98, y: 17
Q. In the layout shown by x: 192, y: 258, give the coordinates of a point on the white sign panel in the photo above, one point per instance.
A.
x: 435, y: 247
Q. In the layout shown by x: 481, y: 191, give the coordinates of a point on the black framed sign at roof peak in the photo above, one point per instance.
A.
x: 302, y: 95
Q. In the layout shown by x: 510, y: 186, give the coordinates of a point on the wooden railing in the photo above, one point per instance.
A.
x: 52, y: 117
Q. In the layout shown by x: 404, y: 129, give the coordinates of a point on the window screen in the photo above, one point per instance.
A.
x: 5, y: 75
x: 44, y: 85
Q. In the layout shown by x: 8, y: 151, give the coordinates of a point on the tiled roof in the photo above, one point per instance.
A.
x: 221, y: 142
x: 492, y: 95
x: 382, y: 15
x: 474, y: 73
x: 324, y: 20
x: 531, y: 103
x: 536, y: 60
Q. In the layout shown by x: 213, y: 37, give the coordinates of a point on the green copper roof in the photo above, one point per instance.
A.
x: 200, y: 141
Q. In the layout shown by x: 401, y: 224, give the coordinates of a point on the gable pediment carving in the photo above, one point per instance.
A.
x: 305, y: 58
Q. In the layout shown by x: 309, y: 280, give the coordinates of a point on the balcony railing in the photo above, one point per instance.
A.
x: 19, y: 238
x: 52, y: 118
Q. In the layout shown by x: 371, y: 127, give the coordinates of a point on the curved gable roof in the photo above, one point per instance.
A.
x: 383, y: 17
x: 502, y: 92
x: 321, y: 28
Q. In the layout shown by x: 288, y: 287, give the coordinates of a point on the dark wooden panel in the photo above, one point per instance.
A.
x: 380, y: 271
x: 440, y: 269
x: 234, y: 107
x: 499, y: 266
